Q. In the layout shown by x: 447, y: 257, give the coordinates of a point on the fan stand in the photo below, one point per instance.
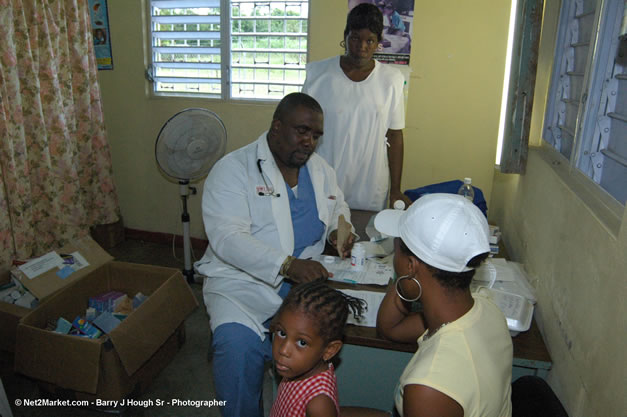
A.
x: 187, y: 146
x: 188, y: 272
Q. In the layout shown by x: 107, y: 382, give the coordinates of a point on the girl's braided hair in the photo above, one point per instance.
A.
x: 327, y: 306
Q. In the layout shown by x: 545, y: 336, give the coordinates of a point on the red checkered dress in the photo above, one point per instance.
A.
x: 293, y: 396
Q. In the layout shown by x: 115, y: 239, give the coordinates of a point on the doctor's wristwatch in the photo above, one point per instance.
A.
x: 286, y: 266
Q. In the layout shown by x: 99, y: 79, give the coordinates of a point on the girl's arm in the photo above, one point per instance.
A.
x: 395, y: 321
x: 321, y: 406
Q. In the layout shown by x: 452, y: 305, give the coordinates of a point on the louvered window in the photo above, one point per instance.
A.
x: 586, y: 118
x: 240, y: 49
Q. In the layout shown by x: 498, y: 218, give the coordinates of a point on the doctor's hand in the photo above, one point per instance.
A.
x: 306, y: 270
x: 347, y: 246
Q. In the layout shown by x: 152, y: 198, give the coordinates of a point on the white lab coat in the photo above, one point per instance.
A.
x: 250, y: 235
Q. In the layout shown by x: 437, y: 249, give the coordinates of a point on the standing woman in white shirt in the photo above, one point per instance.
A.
x: 364, y: 113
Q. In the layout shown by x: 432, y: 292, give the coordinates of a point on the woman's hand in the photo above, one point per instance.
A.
x: 398, y: 195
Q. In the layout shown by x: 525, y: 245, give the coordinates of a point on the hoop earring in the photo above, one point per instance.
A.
x: 400, y: 293
x: 343, y: 43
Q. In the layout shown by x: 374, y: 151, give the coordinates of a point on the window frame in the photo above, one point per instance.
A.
x: 602, y: 47
x: 521, y: 86
x: 226, y: 56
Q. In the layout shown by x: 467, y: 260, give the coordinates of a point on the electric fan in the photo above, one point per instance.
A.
x: 187, y: 146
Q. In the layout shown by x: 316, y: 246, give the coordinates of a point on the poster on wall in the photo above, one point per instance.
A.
x: 102, y: 37
x: 398, y: 19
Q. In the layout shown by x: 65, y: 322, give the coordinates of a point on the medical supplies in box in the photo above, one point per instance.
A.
x: 43, y: 276
x: 18, y: 295
x: 105, y: 313
x: 125, y: 360
x: 107, y: 301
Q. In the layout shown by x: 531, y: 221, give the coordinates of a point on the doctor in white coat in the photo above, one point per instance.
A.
x: 267, y: 208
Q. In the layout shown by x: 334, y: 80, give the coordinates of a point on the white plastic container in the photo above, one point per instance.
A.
x: 358, y: 257
x: 517, y: 309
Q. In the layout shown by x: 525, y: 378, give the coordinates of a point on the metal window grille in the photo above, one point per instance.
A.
x: 586, y: 118
x: 264, y: 57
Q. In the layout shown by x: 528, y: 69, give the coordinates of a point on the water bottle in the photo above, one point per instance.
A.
x: 466, y: 190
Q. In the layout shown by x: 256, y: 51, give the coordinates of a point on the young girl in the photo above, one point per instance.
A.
x: 307, y: 334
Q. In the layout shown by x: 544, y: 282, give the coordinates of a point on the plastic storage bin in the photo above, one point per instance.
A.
x: 517, y: 309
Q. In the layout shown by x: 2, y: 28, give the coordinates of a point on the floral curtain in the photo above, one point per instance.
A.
x: 55, y: 165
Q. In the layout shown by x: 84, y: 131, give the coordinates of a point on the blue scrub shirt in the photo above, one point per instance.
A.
x: 308, y: 228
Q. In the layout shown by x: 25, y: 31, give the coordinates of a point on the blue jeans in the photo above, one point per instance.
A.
x: 239, y: 358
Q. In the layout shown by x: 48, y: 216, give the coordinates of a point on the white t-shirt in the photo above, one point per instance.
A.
x: 469, y: 360
x: 357, y: 116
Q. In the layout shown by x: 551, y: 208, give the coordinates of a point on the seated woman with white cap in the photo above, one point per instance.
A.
x: 463, y: 366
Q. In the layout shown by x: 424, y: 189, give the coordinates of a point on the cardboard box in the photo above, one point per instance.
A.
x: 10, y: 315
x: 114, y: 384
x: 45, y: 285
x: 110, y: 367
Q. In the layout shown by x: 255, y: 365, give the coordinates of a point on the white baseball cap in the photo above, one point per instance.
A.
x: 443, y: 230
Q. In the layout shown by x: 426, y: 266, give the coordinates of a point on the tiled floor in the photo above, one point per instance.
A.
x: 187, y: 377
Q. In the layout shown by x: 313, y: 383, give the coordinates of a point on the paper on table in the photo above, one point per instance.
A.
x: 495, y: 267
x: 373, y: 299
x: 500, y: 274
x: 38, y: 266
x: 374, y: 272
x: 519, y: 285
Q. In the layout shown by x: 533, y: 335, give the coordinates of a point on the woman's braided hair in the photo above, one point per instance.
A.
x: 328, y: 307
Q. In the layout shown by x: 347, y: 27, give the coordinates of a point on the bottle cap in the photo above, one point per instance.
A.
x: 467, y: 180
x: 399, y: 205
